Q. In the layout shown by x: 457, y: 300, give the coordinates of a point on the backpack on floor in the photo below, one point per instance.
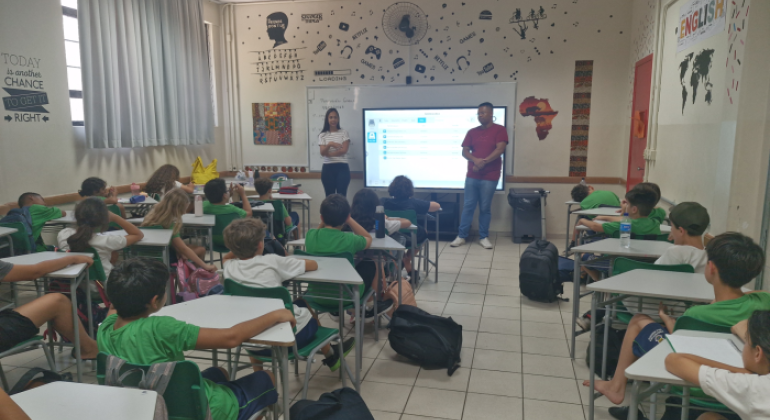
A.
x: 24, y: 217
x: 407, y: 295
x: 614, y: 342
x: 430, y: 340
x: 340, y: 404
x: 30, y: 380
x: 539, y: 272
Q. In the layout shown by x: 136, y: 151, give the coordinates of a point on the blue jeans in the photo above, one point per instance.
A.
x: 479, y: 192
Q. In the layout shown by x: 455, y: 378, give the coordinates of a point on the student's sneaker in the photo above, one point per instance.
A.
x: 584, y: 323
x: 621, y: 413
x: 457, y: 242
x: 382, y: 307
x: 335, y: 316
x: 485, y: 243
x: 333, y: 361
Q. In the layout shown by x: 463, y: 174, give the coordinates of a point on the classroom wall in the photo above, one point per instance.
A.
x: 50, y: 157
x: 543, y: 65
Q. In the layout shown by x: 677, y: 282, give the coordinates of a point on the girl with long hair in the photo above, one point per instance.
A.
x: 92, y: 219
x: 163, y: 180
x: 97, y: 187
x: 168, y: 215
x: 334, y: 143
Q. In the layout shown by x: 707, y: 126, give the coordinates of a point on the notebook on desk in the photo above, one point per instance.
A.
x: 721, y: 350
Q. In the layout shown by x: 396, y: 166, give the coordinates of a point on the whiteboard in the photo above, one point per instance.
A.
x: 351, y: 100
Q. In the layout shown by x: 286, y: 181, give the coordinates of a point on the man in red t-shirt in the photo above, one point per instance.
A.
x: 483, y: 147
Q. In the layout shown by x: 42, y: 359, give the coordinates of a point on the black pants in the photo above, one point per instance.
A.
x: 335, y: 178
x: 367, y: 269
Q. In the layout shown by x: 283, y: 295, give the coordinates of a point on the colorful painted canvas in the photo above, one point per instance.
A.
x: 272, y: 123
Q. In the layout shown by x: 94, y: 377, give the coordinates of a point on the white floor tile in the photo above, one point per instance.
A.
x: 485, y: 407
x: 436, y: 403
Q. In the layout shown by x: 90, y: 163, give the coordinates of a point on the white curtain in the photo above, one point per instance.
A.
x: 145, y: 73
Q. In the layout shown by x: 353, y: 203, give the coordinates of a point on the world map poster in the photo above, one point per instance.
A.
x: 272, y: 123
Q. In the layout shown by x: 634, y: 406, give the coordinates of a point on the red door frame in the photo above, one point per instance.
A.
x: 646, y: 110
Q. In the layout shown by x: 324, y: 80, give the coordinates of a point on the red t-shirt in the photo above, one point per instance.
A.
x: 482, y: 142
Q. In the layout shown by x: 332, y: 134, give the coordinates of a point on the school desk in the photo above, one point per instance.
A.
x: 69, y: 219
x: 650, y: 284
x: 610, y: 247
x: 74, y: 401
x: 340, y: 272
x: 147, y: 200
x: 303, y: 199
x: 155, y: 241
x: 194, y: 224
x: 652, y: 368
x: 75, y: 274
x: 221, y: 311
x: 599, y: 211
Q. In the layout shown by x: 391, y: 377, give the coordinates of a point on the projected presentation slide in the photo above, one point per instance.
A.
x: 424, y: 144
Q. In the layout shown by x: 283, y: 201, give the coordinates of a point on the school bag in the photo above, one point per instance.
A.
x: 407, y: 295
x: 30, y: 380
x: 539, y: 272
x: 614, y: 342
x: 340, y: 404
x: 432, y: 341
x: 196, y: 282
x: 22, y: 216
x: 156, y: 378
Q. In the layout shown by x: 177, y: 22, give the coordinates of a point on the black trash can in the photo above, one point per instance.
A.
x: 528, y: 214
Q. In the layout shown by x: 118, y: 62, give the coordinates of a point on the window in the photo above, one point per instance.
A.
x: 72, y: 53
x: 212, y: 70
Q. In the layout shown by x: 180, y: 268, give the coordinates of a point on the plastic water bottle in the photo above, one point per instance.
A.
x: 198, y: 206
x: 583, y: 182
x: 379, y: 222
x: 625, y: 231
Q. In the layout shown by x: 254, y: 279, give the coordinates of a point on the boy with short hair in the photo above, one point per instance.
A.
x: 590, y: 198
x: 264, y: 188
x: 733, y: 261
x: 689, y: 221
x: 218, y: 198
x: 40, y: 214
x: 330, y: 239
x: 137, y: 289
x: 639, y: 204
x: 246, y: 264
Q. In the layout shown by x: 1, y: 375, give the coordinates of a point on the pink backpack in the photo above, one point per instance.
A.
x: 196, y: 282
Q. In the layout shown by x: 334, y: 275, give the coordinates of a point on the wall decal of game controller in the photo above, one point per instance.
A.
x: 419, y: 68
x: 374, y: 50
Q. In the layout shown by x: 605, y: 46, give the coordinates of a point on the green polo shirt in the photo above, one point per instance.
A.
x: 598, y: 198
x: 649, y: 225
x: 333, y: 241
x: 40, y: 215
x: 217, y: 209
x: 731, y: 312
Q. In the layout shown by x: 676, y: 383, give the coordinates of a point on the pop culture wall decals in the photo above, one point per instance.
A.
x: 698, y: 67
x: 280, y: 65
x: 543, y: 113
x: 521, y: 20
x: 272, y: 123
x: 736, y: 35
x: 581, y: 118
x: 276, y: 27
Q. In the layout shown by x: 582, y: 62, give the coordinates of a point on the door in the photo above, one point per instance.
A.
x: 640, y: 112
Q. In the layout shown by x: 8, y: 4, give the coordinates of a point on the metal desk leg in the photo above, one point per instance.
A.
x: 566, y: 241
x: 284, y: 351
x: 633, y: 411
x: 76, y: 332
x: 172, y: 289
x: 378, y: 281
x: 607, y: 326
x: 398, y: 274
x: 230, y: 363
x: 591, y: 357
x: 359, y: 328
x: 211, y: 245
x: 575, y: 301
x: 436, y: 267
x: 686, y: 403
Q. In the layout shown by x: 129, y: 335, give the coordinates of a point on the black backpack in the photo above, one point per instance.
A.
x: 30, y: 380
x: 432, y: 341
x: 614, y: 343
x: 539, y: 272
x: 340, y: 404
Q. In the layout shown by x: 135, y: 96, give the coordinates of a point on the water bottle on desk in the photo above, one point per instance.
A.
x: 625, y: 231
x: 379, y: 222
x: 198, y: 206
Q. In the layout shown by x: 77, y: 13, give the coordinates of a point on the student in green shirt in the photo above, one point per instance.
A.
x: 40, y: 214
x: 330, y: 239
x: 97, y: 187
x: 218, y: 204
x: 733, y: 261
x: 590, y: 198
x: 264, y: 187
x: 656, y: 213
x: 639, y: 204
x: 137, y: 288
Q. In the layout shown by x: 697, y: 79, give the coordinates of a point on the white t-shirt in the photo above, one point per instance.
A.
x: 177, y: 184
x: 744, y: 393
x: 339, y: 136
x: 685, y: 254
x: 677, y: 254
x: 269, y: 271
x: 103, y: 244
x: 392, y: 225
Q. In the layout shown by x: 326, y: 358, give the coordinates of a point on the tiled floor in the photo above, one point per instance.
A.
x: 515, y: 358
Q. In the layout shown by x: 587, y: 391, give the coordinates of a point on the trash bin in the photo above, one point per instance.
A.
x: 528, y: 214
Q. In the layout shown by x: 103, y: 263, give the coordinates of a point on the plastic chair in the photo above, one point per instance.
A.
x: 323, y: 336
x: 418, y: 256
x: 31, y: 344
x: 185, y: 395
x: 114, y: 209
x: 623, y: 265
x: 19, y: 239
